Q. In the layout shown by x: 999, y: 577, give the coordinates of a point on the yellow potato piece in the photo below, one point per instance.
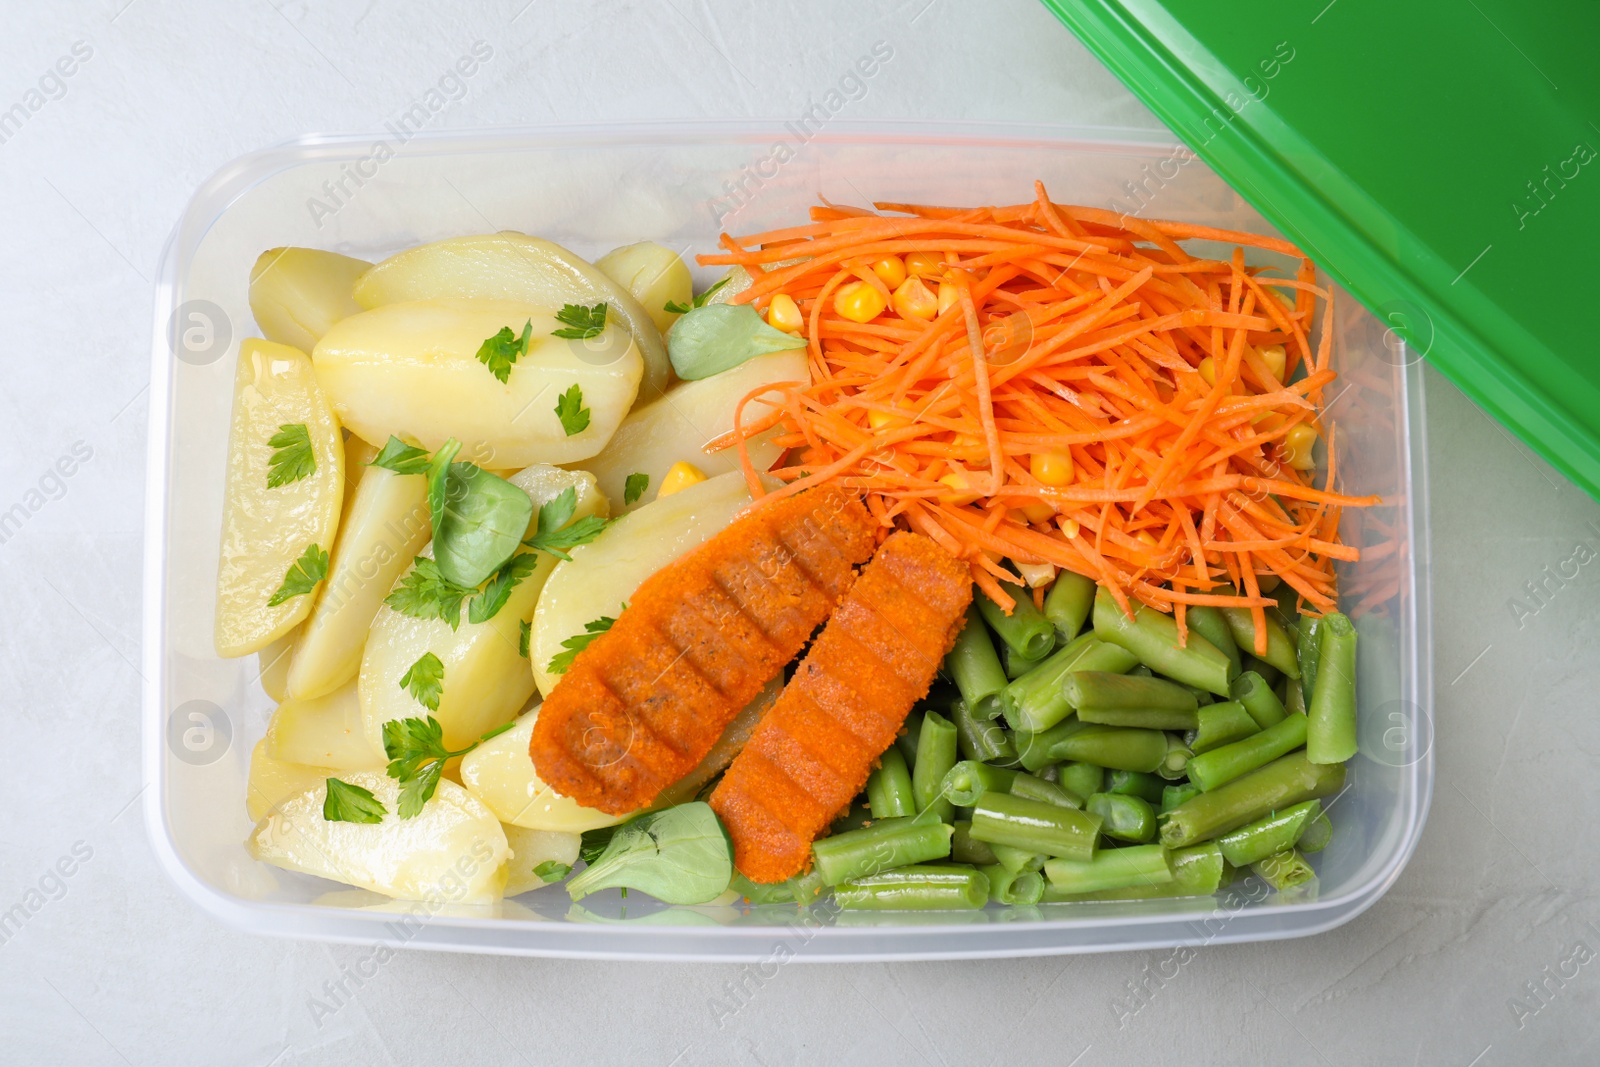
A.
x: 603, y: 573
x: 411, y: 369
x: 296, y: 294
x: 273, y: 781
x: 324, y: 731
x: 676, y: 428
x: 264, y: 531
x: 655, y: 275
x: 452, y: 849
x: 514, y: 266
x: 486, y: 679
x: 272, y: 665
x: 529, y: 848
x: 500, y: 773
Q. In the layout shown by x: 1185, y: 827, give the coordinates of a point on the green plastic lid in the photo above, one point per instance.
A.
x: 1440, y: 160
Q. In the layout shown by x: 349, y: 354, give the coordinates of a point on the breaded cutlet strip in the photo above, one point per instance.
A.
x: 813, y: 751
x: 641, y: 706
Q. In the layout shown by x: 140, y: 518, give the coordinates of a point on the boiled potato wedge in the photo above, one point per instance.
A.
x: 655, y: 275
x: 453, y: 848
x: 676, y: 427
x: 500, y: 773
x: 411, y: 369
x: 272, y: 665
x: 514, y: 266
x: 486, y: 679
x: 529, y: 848
x: 324, y: 731
x: 296, y: 294
x: 265, y: 530
x: 385, y: 524
x: 272, y: 781
x: 603, y: 573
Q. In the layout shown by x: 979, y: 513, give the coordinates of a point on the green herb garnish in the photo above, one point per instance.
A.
x: 527, y: 633
x: 292, y: 455
x: 302, y: 576
x: 562, y: 661
x: 424, y: 680
x: 634, y: 488
x: 417, y: 756
x: 401, y: 458
x: 553, y: 535
x: 551, y: 871
x: 478, y: 518
x: 424, y: 594
x: 487, y: 604
x: 570, y: 410
x: 582, y: 322
x: 500, y: 352
x: 698, y: 302
x: 351, y: 803
x: 679, y: 855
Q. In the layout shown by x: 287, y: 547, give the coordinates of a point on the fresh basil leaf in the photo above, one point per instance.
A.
x: 487, y: 604
x: 634, y: 488
x: 351, y: 803
x: 292, y: 455
x: 302, y: 576
x: 401, y: 458
x: 478, y: 518
x: 718, y: 337
x: 679, y: 855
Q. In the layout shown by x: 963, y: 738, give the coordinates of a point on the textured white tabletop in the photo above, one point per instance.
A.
x: 1482, y: 953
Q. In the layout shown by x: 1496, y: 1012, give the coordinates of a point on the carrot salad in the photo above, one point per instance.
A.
x: 1050, y: 386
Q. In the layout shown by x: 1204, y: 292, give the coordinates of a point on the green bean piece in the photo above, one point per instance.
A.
x: 906, y: 739
x: 1119, y: 747
x: 976, y: 669
x: 1017, y: 859
x: 1027, y: 785
x: 1068, y: 603
x: 1034, y: 825
x: 1080, y: 779
x: 1013, y: 887
x: 1285, y: 781
x: 1208, y: 622
x: 968, y: 780
x: 1140, y: 718
x: 1112, y: 868
x: 1103, y: 689
x: 1280, y: 646
x: 924, y: 887
x: 1331, y: 735
x: 1269, y: 674
x: 1037, y: 700
x: 1196, y: 871
x: 889, y: 789
x: 1288, y: 598
x: 1211, y: 769
x: 1153, y: 638
x: 1317, y: 835
x: 1221, y: 724
x: 1173, y: 795
x: 1276, y: 833
x: 979, y: 739
x: 1286, y: 870
x: 1026, y: 629
x: 886, y: 844
x: 963, y: 849
x: 936, y: 754
x: 1016, y: 666
x: 1139, y: 670
x: 1050, y: 772
x: 1134, y: 784
x: 1307, y: 645
x: 1252, y: 690
x: 1125, y: 818
x: 1175, y: 765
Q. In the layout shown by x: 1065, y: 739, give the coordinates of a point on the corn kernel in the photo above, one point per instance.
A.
x: 859, y: 302
x: 924, y: 265
x: 1268, y: 421
x: 1208, y: 370
x: 914, y: 300
x: 679, y: 476
x: 891, y: 270
x: 1038, y: 511
x: 1276, y: 359
x: 960, y: 485
x: 1036, y: 574
x: 1146, y: 536
x: 1297, y: 445
x: 1052, y: 468
x: 885, y: 420
x: 1071, y: 528
x: 949, y: 296
x: 784, y: 314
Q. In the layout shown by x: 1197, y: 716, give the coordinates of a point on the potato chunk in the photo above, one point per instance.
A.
x: 296, y: 294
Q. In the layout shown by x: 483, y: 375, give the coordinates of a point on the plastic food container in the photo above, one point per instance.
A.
x: 592, y: 189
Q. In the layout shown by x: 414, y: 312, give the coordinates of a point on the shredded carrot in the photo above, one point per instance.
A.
x: 1080, y: 333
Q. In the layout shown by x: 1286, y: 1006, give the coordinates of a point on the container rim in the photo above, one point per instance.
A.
x: 826, y: 942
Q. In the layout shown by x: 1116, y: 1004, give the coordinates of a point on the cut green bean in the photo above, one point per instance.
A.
x: 1285, y: 781
x: 1050, y: 772
x: 968, y: 780
x: 1026, y: 785
x: 936, y: 754
x: 1221, y: 724
x: 1026, y: 629
x: 1269, y: 674
x: 1118, y: 747
x: 1013, y: 887
x: 1286, y: 870
x: 963, y: 849
x: 1307, y: 645
x: 1016, y: 666
x: 1140, y: 718
x: 906, y: 739
x: 1280, y: 646
x: 1112, y: 868
x: 1068, y: 603
x: 889, y: 790
x: 1196, y: 871
x: 1017, y: 859
x: 1276, y: 833
x: 1103, y: 689
x: 1211, y: 769
x: 1173, y: 795
x: 1208, y: 622
x: 1252, y: 690
x: 1124, y: 817
x: 980, y: 739
x: 1153, y: 638
x: 1037, y: 700
x: 1317, y: 834
x: 1331, y: 735
x: 1134, y: 784
x: 886, y: 844
x: 976, y: 669
x: 1080, y: 779
x: 1034, y: 825
x: 925, y: 887
x: 1175, y: 765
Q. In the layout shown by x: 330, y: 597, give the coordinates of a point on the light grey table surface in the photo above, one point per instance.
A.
x: 116, y: 967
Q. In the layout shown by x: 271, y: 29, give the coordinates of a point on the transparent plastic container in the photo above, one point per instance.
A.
x: 592, y: 189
